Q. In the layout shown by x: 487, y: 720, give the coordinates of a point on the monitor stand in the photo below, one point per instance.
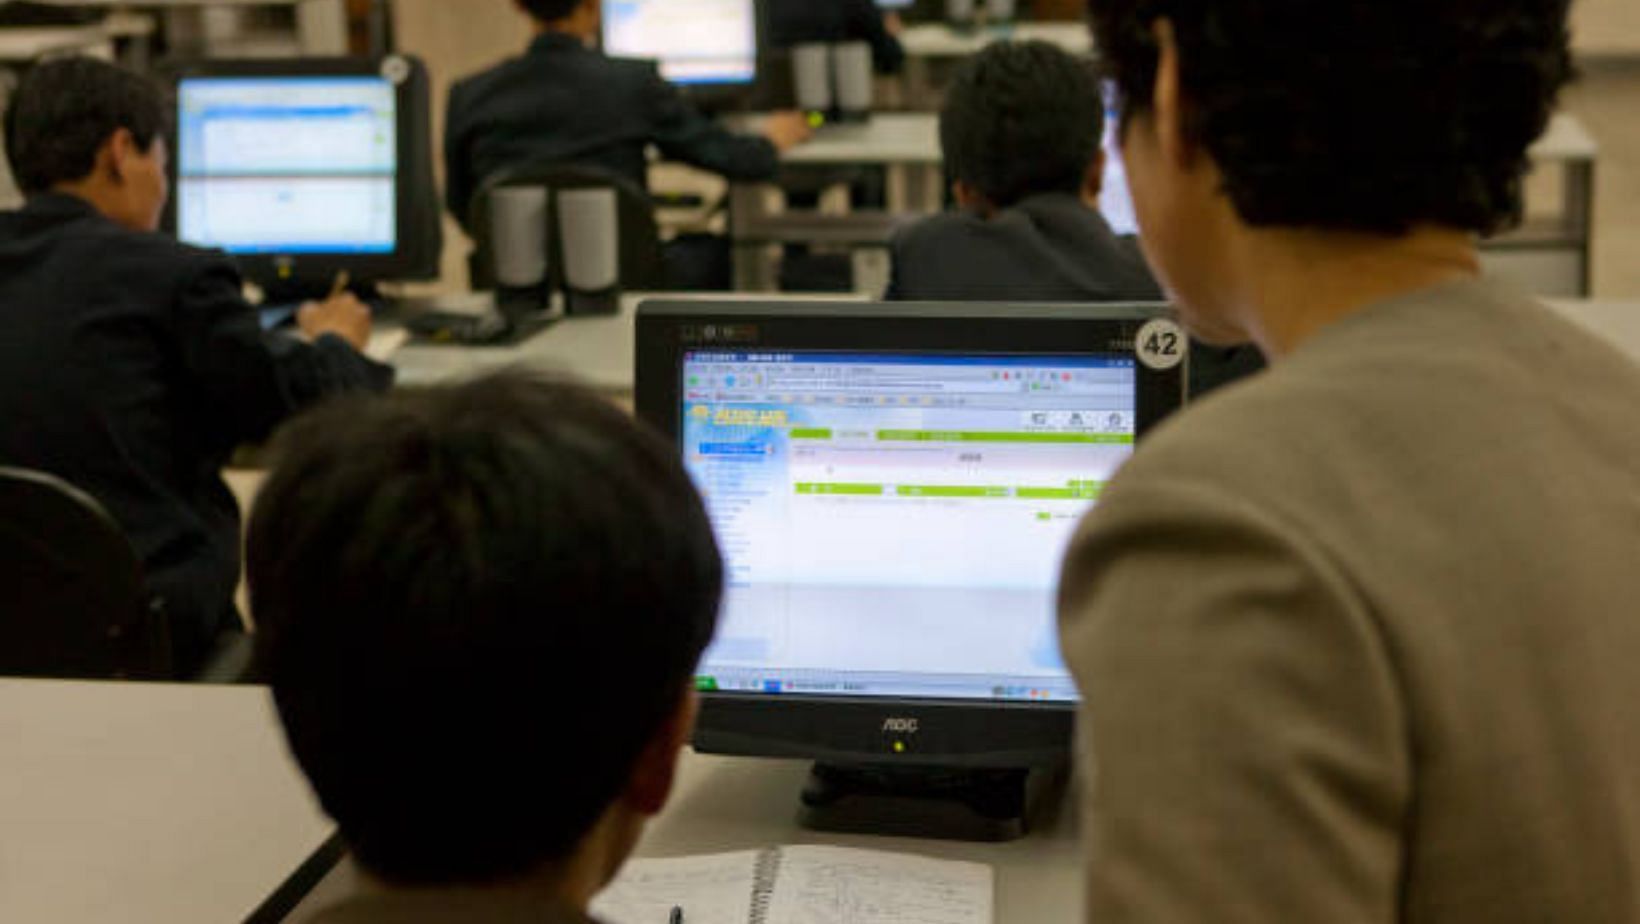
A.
x: 943, y: 803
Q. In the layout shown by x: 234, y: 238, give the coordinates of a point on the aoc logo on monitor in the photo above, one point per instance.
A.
x: 900, y: 726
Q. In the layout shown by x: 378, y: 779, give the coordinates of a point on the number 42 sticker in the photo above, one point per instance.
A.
x: 1162, y: 345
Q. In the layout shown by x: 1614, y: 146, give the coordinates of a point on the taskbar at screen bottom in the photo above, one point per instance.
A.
x: 1047, y: 689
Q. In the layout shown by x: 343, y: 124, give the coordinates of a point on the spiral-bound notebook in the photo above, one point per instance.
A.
x: 800, y: 885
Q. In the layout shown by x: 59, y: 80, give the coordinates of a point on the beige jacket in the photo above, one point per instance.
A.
x: 1359, y: 640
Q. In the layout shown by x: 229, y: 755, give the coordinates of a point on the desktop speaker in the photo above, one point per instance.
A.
x: 518, y: 247
x: 589, y: 232
x: 811, y: 77
x: 851, y: 65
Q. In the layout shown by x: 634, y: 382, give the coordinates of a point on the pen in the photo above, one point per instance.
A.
x: 677, y: 915
x: 340, y: 285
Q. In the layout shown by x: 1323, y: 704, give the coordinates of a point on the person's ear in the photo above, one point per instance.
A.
x: 1167, y: 97
x: 969, y: 199
x: 651, y: 783
x: 118, y: 154
x: 1093, y: 182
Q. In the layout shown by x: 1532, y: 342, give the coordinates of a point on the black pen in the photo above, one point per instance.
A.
x: 677, y: 915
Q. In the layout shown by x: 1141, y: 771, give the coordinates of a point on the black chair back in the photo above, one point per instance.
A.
x: 73, y: 601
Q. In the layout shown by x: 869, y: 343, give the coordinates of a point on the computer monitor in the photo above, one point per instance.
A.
x: 1115, y: 198
x: 893, y: 488
x: 700, y: 44
x: 304, y: 169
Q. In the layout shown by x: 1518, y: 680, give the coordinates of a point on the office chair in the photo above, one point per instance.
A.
x: 73, y: 600
x: 76, y: 605
x: 548, y: 227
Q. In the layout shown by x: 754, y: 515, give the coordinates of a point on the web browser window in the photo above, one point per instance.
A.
x: 893, y: 525
x: 288, y: 165
x: 695, y: 41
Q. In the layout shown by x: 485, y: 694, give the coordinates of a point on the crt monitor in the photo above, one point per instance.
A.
x: 893, y: 487
x: 304, y: 169
x: 699, y: 44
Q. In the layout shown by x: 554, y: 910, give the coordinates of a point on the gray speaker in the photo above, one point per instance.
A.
x: 811, y: 76
x: 518, y: 248
x: 851, y: 64
x: 589, y: 235
x: 960, y: 13
x: 1001, y: 11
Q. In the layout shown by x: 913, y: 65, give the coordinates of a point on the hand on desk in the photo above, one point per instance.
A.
x: 786, y: 130
x: 342, y: 315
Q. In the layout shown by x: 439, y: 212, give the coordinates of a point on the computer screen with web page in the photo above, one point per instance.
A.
x: 696, y: 42
x: 288, y: 164
x: 893, y: 523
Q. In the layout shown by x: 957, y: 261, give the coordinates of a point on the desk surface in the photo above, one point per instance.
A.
x: 146, y: 803
x: 1618, y: 322
x: 25, y: 43
x: 726, y: 804
x: 599, y: 352
x: 888, y: 138
x: 937, y: 40
x: 914, y: 138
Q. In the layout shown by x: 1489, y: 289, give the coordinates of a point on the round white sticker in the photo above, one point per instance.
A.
x: 1162, y: 345
x: 395, y: 69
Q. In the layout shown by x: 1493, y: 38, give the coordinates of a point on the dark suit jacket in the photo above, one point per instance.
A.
x: 1047, y: 248
x: 131, y: 366
x: 565, y: 103
x: 793, y: 22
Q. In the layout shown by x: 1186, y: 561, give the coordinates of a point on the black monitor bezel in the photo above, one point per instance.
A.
x: 406, y: 261
x: 862, y: 729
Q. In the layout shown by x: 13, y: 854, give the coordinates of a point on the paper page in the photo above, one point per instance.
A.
x: 831, y: 885
x: 714, y: 889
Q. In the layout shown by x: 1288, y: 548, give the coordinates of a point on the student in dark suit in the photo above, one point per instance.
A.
x: 130, y: 364
x: 563, y: 101
x: 1021, y: 132
x: 793, y: 22
x: 511, y: 546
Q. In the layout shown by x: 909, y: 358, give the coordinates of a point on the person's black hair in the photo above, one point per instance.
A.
x: 66, y: 109
x: 1022, y: 118
x: 550, y: 10
x: 476, y: 606
x: 1356, y: 115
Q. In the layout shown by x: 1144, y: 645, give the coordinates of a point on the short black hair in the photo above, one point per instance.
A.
x: 1355, y: 115
x: 476, y: 606
x: 1022, y: 118
x: 66, y: 109
x: 550, y: 10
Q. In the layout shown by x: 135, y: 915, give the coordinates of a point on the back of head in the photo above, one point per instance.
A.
x: 1022, y: 118
x: 476, y: 607
x: 550, y: 10
x: 1355, y: 115
x: 65, y: 110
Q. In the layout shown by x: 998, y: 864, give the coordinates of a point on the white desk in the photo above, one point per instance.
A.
x: 27, y: 43
x: 1615, y: 321
x: 1552, y: 257
x: 597, y: 351
x: 725, y: 804
x: 889, y: 138
x: 937, y: 40
x: 935, y: 47
x: 146, y: 803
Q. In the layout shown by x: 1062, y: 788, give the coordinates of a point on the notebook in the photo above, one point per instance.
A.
x: 800, y: 885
